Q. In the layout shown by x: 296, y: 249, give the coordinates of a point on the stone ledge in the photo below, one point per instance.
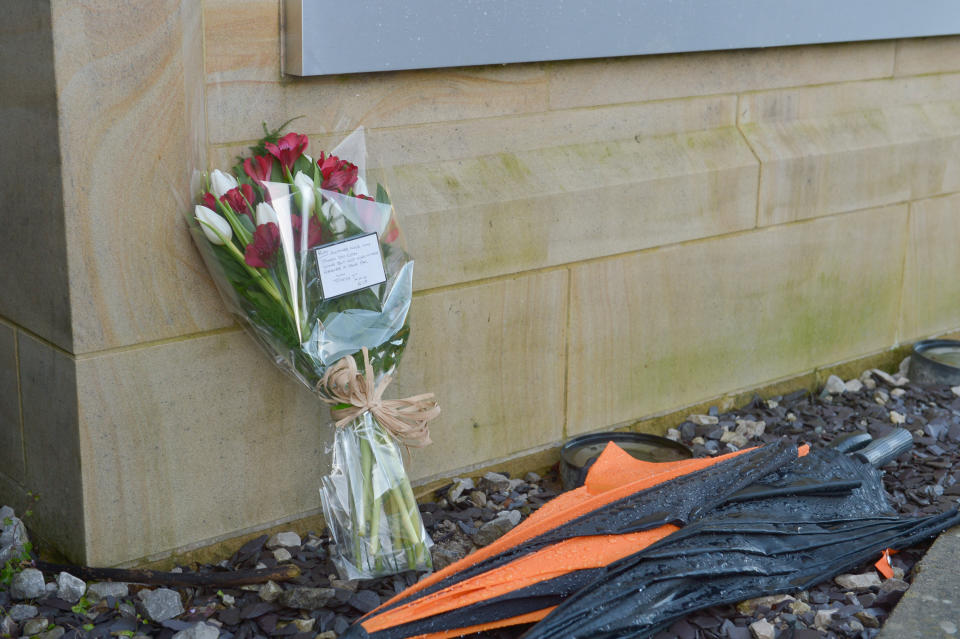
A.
x: 930, y: 609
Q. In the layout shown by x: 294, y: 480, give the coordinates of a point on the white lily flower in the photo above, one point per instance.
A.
x: 207, y: 219
x: 304, y: 184
x: 222, y: 182
x: 266, y: 214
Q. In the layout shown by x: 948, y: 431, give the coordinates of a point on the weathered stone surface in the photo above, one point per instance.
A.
x: 199, y: 631
x: 763, y: 629
x: 70, y: 588
x: 834, y: 385
x: 27, y: 584
x: 161, y: 604
x: 931, y: 256
x: 35, y: 626
x: 928, y: 610
x: 497, y: 527
x: 54, y: 633
x: 304, y: 598
x: 104, y: 589
x: 21, y: 612
x: 460, y: 486
x: 610, y: 316
x: 863, y: 581
x: 270, y: 591
x: 495, y: 482
x: 284, y: 540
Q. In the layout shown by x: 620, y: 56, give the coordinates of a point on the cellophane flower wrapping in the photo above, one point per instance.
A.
x: 260, y: 229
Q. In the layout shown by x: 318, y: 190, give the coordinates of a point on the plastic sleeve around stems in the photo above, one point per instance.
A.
x: 395, y: 539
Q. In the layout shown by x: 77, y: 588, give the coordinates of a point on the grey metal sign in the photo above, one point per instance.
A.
x: 327, y: 36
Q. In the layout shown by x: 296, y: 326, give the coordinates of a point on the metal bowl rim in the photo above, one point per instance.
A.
x: 924, y: 345
x: 593, y: 438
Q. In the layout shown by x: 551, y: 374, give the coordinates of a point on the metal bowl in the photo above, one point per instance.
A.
x: 579, y: 453
x: 935, y: 361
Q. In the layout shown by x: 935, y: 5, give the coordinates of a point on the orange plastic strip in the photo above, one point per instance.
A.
x: 884, y: 565
x: 578, y: 553
x: 581, y: 503
x: 630, y: 476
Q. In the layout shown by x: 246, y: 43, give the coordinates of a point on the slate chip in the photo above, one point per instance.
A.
x: 364, y: 600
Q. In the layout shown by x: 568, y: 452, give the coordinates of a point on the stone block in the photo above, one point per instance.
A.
x: 917, y: 56
x: 833, y: 164
x: 33, y: 264
x: 48, y: 387
x: 387, y: 99
x: 665, y: 328
x: 191, y: 441
x: 129, y: 143
x: 810, y: 102
x: 494, y: 355
x: 930, y: 284
x: 584, y: 83
x: 464, y: 139
x: 11, y: 429
x: 499, y: 214
x: 241, y: 40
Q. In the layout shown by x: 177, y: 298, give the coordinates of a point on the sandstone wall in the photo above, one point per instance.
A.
x: 596, y: 241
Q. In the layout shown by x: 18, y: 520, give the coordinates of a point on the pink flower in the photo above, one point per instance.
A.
x: 314, y: 233
x: 258, y: 168
x: 261, y: 252
x: 287, y: 149
x: 338, y: 175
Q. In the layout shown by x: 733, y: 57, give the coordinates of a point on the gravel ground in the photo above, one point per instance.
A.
x: 471, y: 512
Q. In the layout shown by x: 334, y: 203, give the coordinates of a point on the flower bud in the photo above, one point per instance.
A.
x: 221, y: 182
x: 208, y: 219
x: 305, y: 185
x: 266, y: 214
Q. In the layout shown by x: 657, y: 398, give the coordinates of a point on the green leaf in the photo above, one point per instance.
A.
x: 382, y: 196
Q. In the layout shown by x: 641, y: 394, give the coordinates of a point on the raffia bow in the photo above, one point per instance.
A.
x: 406, y: 419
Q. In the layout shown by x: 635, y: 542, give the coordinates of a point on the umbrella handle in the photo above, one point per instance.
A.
x: 849, y: 442
x: 884, y: 450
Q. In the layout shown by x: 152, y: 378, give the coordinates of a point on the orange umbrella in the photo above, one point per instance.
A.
x: 520, y: 577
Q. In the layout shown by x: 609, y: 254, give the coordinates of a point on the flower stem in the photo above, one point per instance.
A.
x: 366, y: 490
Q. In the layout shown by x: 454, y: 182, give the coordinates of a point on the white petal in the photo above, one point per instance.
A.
x: 305, y: 185
x: 221, y: 182
x: 360, y: 187
x: 266, y: 214
x: 208, y: 218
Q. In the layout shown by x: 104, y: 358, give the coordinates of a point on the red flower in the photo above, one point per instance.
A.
x: 314, y: 233
x: 261, y: 252
x: 287, y: 149
x: 258, y: 168
x: 366, y: 197
x: 240, y: 199
x: 210, y: 201
x: 338, y: 175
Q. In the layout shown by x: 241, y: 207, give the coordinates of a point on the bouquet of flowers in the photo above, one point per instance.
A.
x: 314, y: 267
